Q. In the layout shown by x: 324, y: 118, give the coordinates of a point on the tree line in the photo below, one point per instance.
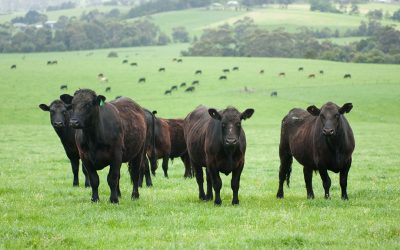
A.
x: 244, y: 38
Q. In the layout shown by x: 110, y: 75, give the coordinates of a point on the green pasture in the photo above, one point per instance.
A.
x: 39, y: 208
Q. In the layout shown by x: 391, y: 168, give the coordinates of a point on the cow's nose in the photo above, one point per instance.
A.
x: 231, y: 141
x: 328, y: 131
x: 58, y: 124
x: 74, y: 123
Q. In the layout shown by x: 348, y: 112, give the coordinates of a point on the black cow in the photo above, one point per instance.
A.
x: 108, y: 89
x: 59, y: 119
x: 174, y: 59
x: 274, y: 93
x: 311, y: 76
x: 174, y: 87
x: 321, y: 72
x: 64, y: 86
x: 190, y: 89
x: 49, y: 62
x: 134, y: 64
x: 142, y: 79
x: 320, y: 140
x: 55, y: 62
x: 150, y: 148
x: 161, y: 70
x: 195, y: 82
x: 108, y: 134
x: 100, y: 75
x: 236, y: 68
x: 262, y: 71
x: 168, y: 92
x: 300, y: 69
x: 183, y: 84
x: 347, y: 76
x: 179, y: 60
x: 198, y: 72
x: 282, y: 74
x: 216, y: 140
x: 226, y: 70
x: 14, y: 66
x: 125, y: 61
x: 223, y: 78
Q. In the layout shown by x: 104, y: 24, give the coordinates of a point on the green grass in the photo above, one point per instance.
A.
x: 39, y: 208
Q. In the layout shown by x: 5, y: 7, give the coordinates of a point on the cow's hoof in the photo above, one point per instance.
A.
x: 235, y: 202
x: 327, y: 197
x: 310, y: 196
x: 149, y: 185
x: 135, y: 196
x: 114, y: 200
x: 75, y: 184
x: 217, y: 202
x: 87, y: 185
x: 95, y: 200
x: 279, y: 195
x: 345, y: 197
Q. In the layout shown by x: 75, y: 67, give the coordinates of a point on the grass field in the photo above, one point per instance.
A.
x: 39, y: 208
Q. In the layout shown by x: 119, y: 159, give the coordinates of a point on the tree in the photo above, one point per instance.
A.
x: 180, y: 34
x: 323, y: 6
x: 375, y: 14
x: 396, y: 15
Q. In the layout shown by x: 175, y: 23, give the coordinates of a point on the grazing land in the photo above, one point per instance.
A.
x: 39, y: 208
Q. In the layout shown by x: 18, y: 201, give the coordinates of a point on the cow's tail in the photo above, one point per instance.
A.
x: 153, y: 156
x: 287, y: 175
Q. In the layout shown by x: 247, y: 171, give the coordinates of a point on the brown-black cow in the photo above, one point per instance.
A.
x: 215, y: 140
x: 59, y: 119
x: 108, y: 134
x: 320, y: 140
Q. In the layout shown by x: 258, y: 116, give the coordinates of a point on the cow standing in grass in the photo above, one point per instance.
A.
x: 216, y: 140
x: 320, y: 140
x: 59, y: 118
x: 108, y: 134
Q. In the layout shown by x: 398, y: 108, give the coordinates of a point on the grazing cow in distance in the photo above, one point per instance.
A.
x: 174, y: 59
x: 198, y: 72
x: 64, y: 87
x: 274, y: 93
x: 179, y: 60
x: 196, y: 82
x: 168, y: 92
x: 347, y: 76
x: 161, y: 70
x: 226, y: 70
x: 134, y: 64
x: 215, y: 140
x: 222, y: 78
x: 236, y: 68
x: 55, y: 62
x: 125, y: 61
x: 108, y: 89
x: 183, y: 84
x: 108, y: 134
x: 14, y: 66
x: 174, y: 87
x: 190, y: 89
x: 282, y: 74
x: 321, y: 72
x: 59, y: 119
x: 311, y: 76
x: 100, y: 75
x: 261, y: 71
x: 142, y: 79
x: 49, y: 62
x: 150, y: 148
x: 300, y: 69
x: 320, y: 140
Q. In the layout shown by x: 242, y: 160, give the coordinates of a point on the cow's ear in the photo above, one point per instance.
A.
x: 154, y: 112
x: 44, y: 107
x: 345, y: 108
x: 246, y: 114
x: 67, y: 99
x: 313, y: 110
x: 100, y: 99
x: 214, y: 114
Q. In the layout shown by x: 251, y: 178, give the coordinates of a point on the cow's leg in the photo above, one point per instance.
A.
x: 141, y: 176
x: 165, y: 165
x: 284, y: 171
x: 113, y: 178
x: 147, y: 174
x: 235, y: 183
x: 217, y: 184
x: 326, y: 181
x: 134, y: 167
x: 188, y: 169
x: 343, y: 181
x: 94, y: 181
x: 209, y: 195
x: 75, y: 171
x: 200, y: 181
x: 118, y: 189
x: 308, y: 180
x: 85, y: 172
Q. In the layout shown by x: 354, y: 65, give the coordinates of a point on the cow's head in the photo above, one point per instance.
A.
x: 231, y: 123
x: 85, y: 106
x: 329, y: 115
x: 59, y: 116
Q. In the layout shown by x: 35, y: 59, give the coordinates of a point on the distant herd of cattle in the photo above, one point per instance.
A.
x: 105, y: 134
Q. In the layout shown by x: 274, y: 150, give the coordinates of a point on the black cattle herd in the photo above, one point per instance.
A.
x: 102, y: 134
